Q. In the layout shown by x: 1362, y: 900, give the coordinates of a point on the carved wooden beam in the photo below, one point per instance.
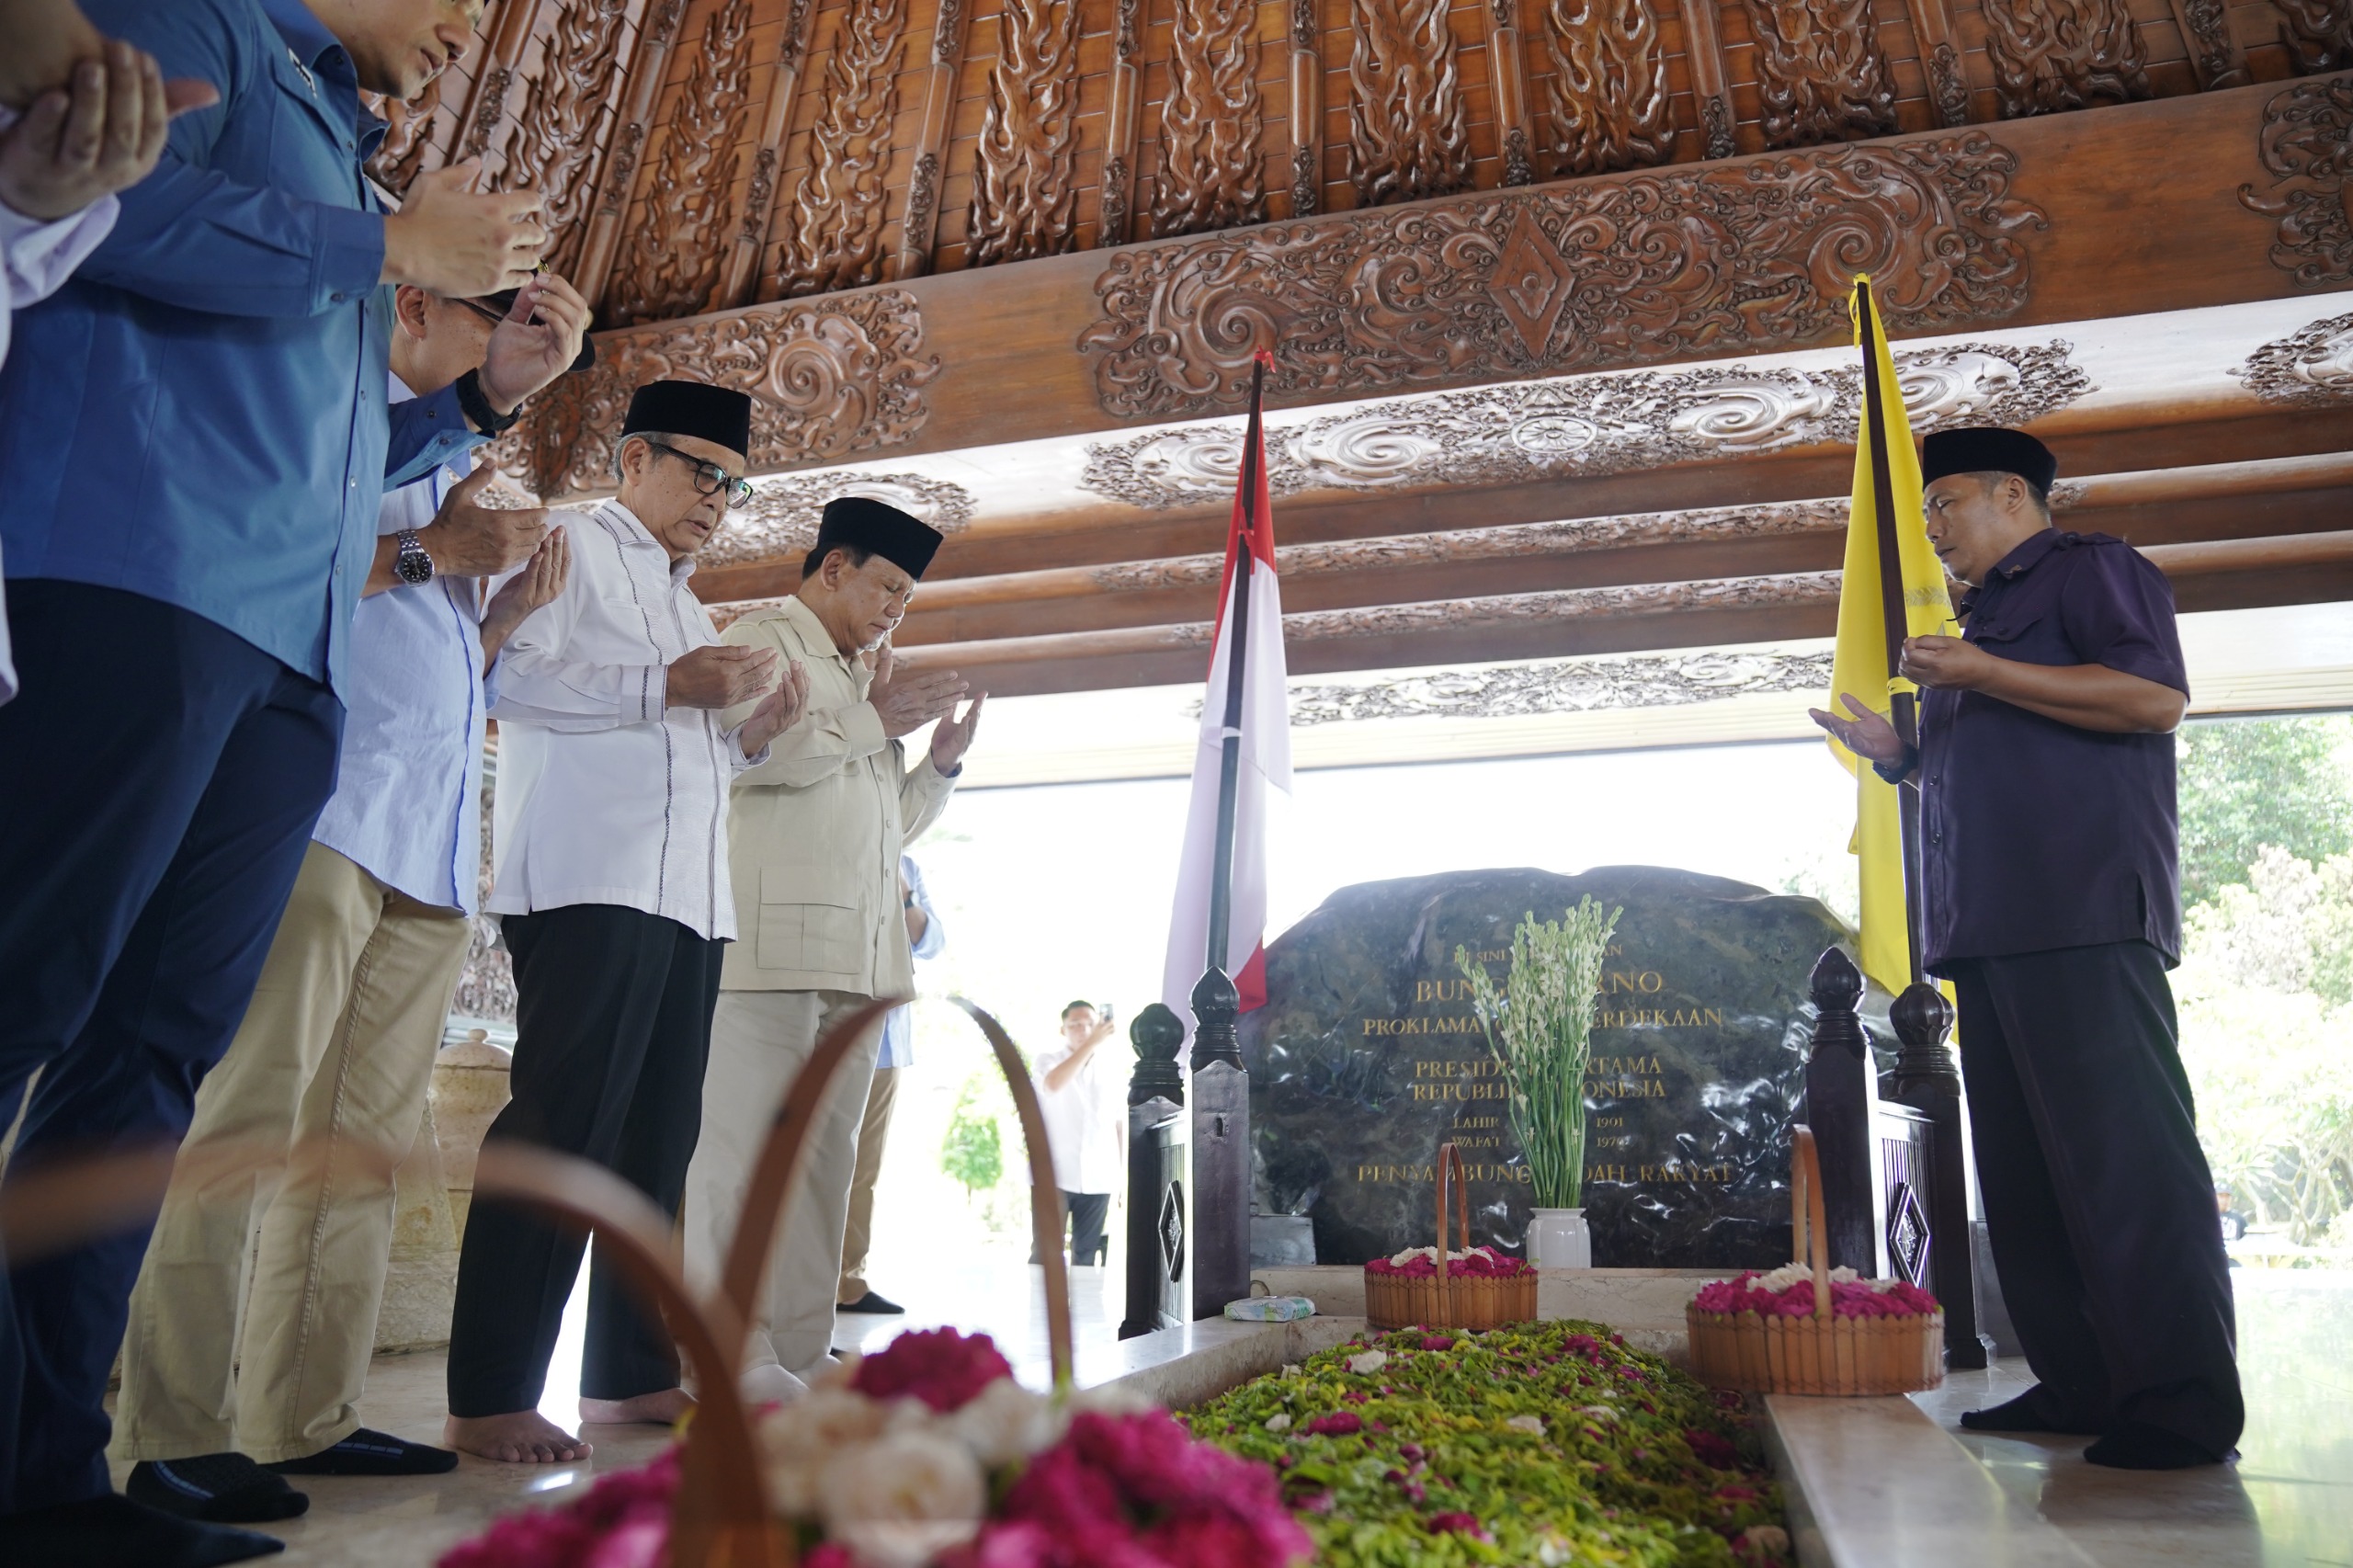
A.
x: 1711, y: 79
x: 486, y: 101
x: 2317, y: 34
x: 1306, y: 108
x: 1119, y: 189
x: 753, y: 238
x: 2049, y: 56
x: 1407, y: 137
x: 1821, y: 74
x: 1932, y: 30
x: 1609, y: 96
x: 672, y: 268
x: 1025, y: 196
x: 2215, y: 57
x: 831, y: 232
x: 559, y: 136
x: 920, y: 226
x: 1211, y: 172
x: 617, y: 175
x: 1507, y: 75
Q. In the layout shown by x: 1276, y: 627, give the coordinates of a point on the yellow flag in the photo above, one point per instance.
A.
x: 1862, y: 663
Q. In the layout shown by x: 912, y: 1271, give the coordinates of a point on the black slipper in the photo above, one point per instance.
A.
x: 870, y: 1302
x: 2137, y: 1446
x: 368, y: 1452
x: 2022, y: 1414
x: 221, y: 1489
x: 115, y: 1532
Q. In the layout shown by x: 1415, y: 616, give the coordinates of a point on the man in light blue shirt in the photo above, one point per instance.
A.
x: 243, y: 1364
x: 926, y: 940
x: 193, y: 441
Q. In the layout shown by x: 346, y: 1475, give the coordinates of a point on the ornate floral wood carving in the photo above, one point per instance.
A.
x: 409, y: 137
x: 1789, y: 590
x: 1821, y: 76
x: 1210, y: 122
x: 686, y: 225
x: 836, y: 237
x: 1949, y: 85
x: 1564, y: 686
x: 826, y: 378
x: 1024, y: 202
x: 2318, y: 33
x: 562, y: 127
x: 2049, y: 56
x: 1456, y: 546
x: 1306, y: 182
x: 780, y: 521
x: 1616, y: 270
x: 1406, y: 138
x: 1609, y: 87
x: 2213, y: 53
x: 2306, y: 143
x: 489, y: 108
x: 2312, y: 365
x: 1584, y: 427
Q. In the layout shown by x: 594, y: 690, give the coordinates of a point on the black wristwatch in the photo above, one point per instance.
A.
x: 478, y: 413
x: 1896, y: 772
x: 413, y: 565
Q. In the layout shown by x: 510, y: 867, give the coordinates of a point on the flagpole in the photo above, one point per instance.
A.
x: 1217, y: 1004
x: 1906, y: 715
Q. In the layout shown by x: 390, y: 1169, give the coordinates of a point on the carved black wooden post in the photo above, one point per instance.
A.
x: 1221, y: 1149
x: 1926, y: 1080
x: 1841, y: 1090
x: 1156, y: 1218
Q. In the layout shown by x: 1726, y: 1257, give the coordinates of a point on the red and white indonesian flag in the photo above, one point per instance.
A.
x: 1264, y: 729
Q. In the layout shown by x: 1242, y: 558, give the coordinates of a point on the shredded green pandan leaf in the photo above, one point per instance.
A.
x: 1541, y: 1444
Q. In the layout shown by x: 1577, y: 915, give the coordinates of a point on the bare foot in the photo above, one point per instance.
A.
x: 521, y: 1437
x: 661, y: 1408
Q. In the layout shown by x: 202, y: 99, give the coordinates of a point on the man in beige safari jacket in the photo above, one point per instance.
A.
x: 816, y: 835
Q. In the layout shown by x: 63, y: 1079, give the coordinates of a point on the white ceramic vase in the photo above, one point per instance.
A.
x: 1557, y: 1238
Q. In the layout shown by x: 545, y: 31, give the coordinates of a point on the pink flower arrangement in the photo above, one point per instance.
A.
x: 1421, y: 1263
x: 1788, y: 1292
x: 891, y: 1462
x: 939, y: 1366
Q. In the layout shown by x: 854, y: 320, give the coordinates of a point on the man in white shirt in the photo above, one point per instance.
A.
x: 815, y: 844
x: 925, y: 941
x: 329, y: 1070
x: 613, y: 885
x: 1084, y: 1098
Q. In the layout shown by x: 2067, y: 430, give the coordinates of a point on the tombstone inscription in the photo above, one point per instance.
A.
x: 1368, y: 1055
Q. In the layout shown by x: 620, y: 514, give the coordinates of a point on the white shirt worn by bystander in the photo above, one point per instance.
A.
x: 36, y: 259
x: 606, y: 794
x: 1086, y: 1118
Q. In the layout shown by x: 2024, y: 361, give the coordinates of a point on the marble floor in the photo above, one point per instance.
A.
x: 2286, y: 1503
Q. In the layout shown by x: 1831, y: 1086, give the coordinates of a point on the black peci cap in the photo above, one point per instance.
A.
x: 720, y: 415
x: 880, y: 527
x: 1987, y: 449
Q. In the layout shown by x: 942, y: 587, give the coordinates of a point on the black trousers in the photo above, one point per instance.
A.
x: 612, y: 1029
x: 159, y: 779
x: 1087, y: 1212
x: 2097, y: 1197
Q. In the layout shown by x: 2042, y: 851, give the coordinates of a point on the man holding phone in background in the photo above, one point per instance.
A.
x: 1084, y: 1095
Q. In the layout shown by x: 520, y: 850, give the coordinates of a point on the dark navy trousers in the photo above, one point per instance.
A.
x: 159, y: 779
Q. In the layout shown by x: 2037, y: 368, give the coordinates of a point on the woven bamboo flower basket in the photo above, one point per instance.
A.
x: 1823, y: 1354
x: 1444, y: 1300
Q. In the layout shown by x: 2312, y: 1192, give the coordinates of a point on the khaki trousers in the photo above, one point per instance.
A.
x: 872, y: 1133
x: 760, y: 1043
x: 319, y: 1095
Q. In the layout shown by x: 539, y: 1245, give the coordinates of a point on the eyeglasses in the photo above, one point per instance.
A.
x: 710, y: 479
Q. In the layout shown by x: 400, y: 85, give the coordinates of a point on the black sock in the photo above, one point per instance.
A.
x: 368, y: 1452
x: 2135, y: 1445
x: 2024, y: 1414
x: 116, y: 1532
x: 225, y: 1489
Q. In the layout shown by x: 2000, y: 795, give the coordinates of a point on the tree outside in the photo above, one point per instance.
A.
x: 2246, y: 783
x: 972, y: 1153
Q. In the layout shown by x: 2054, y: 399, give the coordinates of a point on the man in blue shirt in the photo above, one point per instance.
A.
x: 193, y: 441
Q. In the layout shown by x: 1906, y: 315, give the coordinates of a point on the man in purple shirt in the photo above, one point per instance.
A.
x: 2052, y: 899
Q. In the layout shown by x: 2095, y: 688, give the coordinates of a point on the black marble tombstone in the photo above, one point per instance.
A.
x: 1368, y: 1055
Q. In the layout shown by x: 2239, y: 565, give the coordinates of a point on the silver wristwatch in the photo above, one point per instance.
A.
x: 413, y: 565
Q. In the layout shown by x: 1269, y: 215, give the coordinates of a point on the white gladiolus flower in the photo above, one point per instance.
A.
x: 901, y: 1499
x: 1005, y: 1422
x: 1533, y: 1424
x: 1279, y: 1422
x: 1368, y: 1362
x: 800, y: 1438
